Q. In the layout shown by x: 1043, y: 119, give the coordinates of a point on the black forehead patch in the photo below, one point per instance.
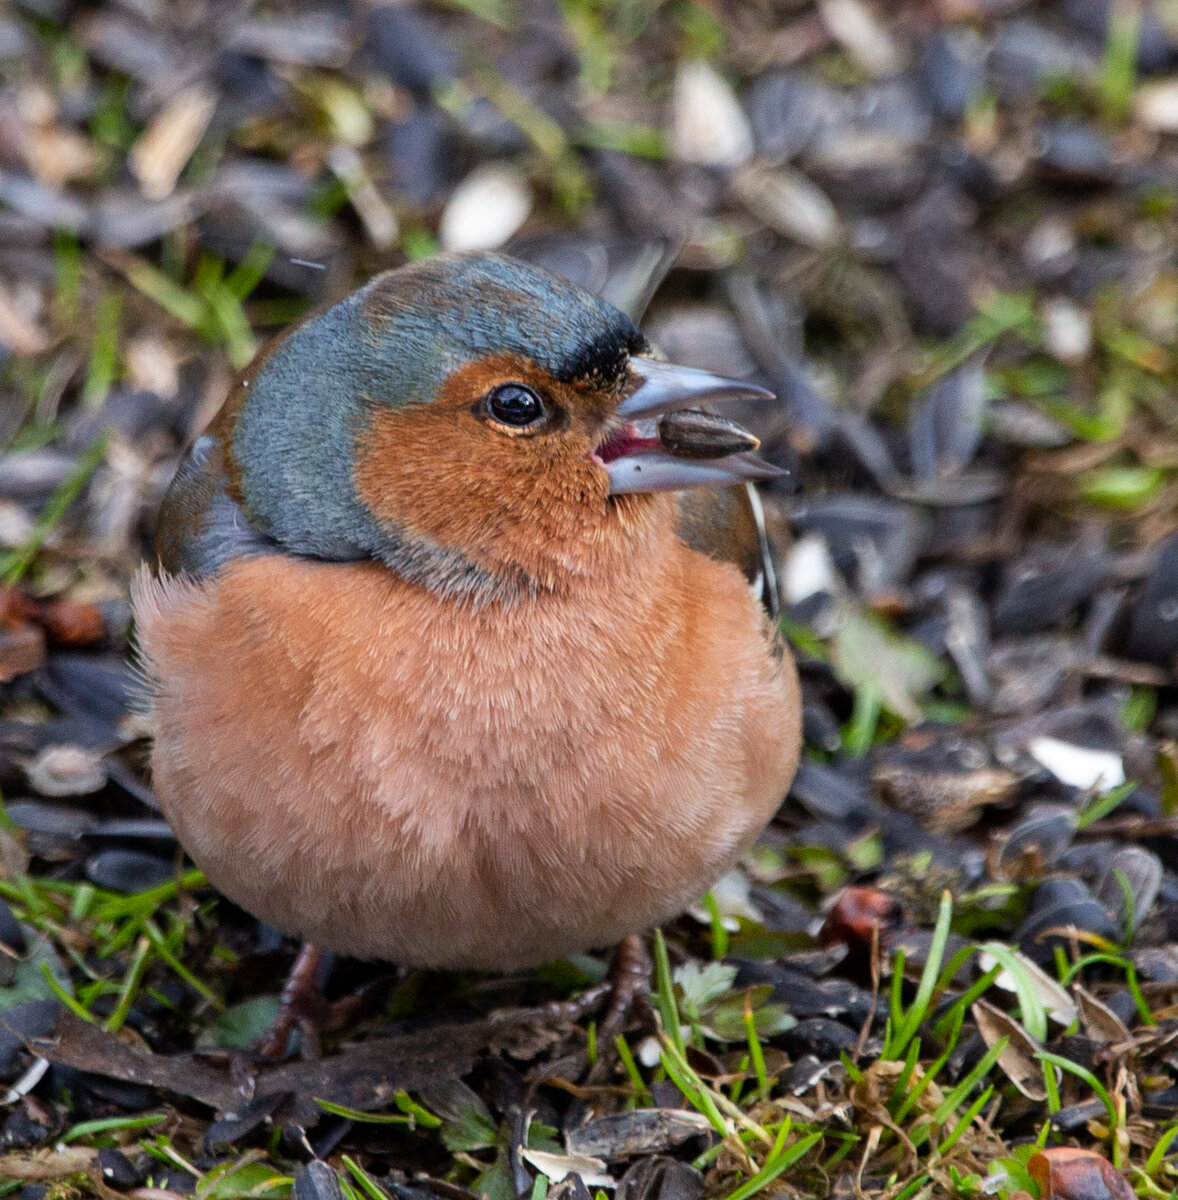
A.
x: 483, y: 304
x: 601, y: 359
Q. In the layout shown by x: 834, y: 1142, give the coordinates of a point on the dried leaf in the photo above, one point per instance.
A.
x: 485, y: 209
x: 1100, y: 1022
x: 166, y: 145
x: 1019, y: 1061
x: 362, y: 1076
x: 22, y: 649
x: 43, y: 1166
x: 17, y: 330
x: 557, y: 1166
x: 708, y: 125
x: 1078, y: 766
x: 1049, y: 992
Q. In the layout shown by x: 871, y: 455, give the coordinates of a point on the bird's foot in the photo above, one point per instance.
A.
x: 627, y: 995
x: 626, y: 983
x: 624, y: 996
x: 302, y: 1006
x: 629, y: 987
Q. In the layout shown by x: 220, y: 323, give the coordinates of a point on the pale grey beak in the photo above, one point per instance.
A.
x: 645, y: 457
x: 657, y: 471
x: 665, y: 387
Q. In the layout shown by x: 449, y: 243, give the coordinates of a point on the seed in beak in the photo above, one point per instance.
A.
x: 693, y: 433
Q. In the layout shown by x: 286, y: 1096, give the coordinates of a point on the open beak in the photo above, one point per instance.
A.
x: 683, y: 449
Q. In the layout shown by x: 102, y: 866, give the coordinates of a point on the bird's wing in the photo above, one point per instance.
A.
x: 729, y: 526
x: 201, y: 527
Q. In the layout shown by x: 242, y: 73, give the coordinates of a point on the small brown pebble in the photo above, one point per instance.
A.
x: 66, y: 622
x: 70, y: 623
x: 859, y: 916
x: 22, y: 648
x: 1066, y: 1173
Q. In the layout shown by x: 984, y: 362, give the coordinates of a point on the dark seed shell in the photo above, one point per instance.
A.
x: 692, y: 433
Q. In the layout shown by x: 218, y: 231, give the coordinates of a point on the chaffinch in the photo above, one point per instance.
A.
x: 445, y: 667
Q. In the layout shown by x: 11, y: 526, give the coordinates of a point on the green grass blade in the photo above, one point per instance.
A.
x: 665, y: 993
x: 904, y: 1033
x: 775, y: 1167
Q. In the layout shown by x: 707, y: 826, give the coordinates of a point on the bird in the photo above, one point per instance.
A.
x: 446, y: 660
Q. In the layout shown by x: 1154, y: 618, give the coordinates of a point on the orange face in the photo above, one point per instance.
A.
x: 500, y: 469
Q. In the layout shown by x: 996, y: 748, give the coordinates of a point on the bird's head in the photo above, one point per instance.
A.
x: 480, y: 425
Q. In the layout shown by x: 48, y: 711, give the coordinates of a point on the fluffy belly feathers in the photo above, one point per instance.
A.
x: 511, y: 785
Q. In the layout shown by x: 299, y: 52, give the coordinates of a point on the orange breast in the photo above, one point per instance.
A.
x: 395, y: 775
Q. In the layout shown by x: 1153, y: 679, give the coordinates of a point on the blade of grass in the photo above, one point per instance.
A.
x: 966, y: 1121
x: 104, y: 350
x: 1118, y: 72
x: 232, y: 324
x: 1098, y: 1090
x: 1031, y: 1010
x: 67, y: 264
x: 859, y: 733
x: 688, y: 1082
x: 187, y: 308
x: 369, y: 1185
x: 904, y: 1033
x: 775, y: 1166
x: 360, y: 1117
x: 912, y: 1098
x: 631, y: 1066
x: 1156, y: 1156
x: 130, y: 987
x: 77, y: 1009
x: 756, y: 1053
x: 896, y: 997
x: 1131, y: 980
x: 853, y: 1072
x: 719, y: 933
x: 849, y: 1142
x: 241, y: 281
x: 180, y: 970
x: 953, y: 1100
x: 1101, y: 806
x: 959, y: 959
x: 419, y: 1114
x: 111, y: 1125
x: 1051, y: 1087
x: 665, y: 991
x: 962, y: 1004
x: 912, y: 1188
x: 900, y: 1087
x: 14, y: 564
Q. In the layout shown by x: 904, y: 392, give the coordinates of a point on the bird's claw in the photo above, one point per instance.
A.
x: 629, y: 987
x: 302, y: 1006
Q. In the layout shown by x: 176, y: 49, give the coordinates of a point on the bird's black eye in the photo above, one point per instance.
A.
x: 515, y: 405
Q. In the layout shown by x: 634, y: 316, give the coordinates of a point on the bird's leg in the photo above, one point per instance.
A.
x: 626, y: 988
x: 628, y: 978
x: 629, y: 983
x: 299, y: 1006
